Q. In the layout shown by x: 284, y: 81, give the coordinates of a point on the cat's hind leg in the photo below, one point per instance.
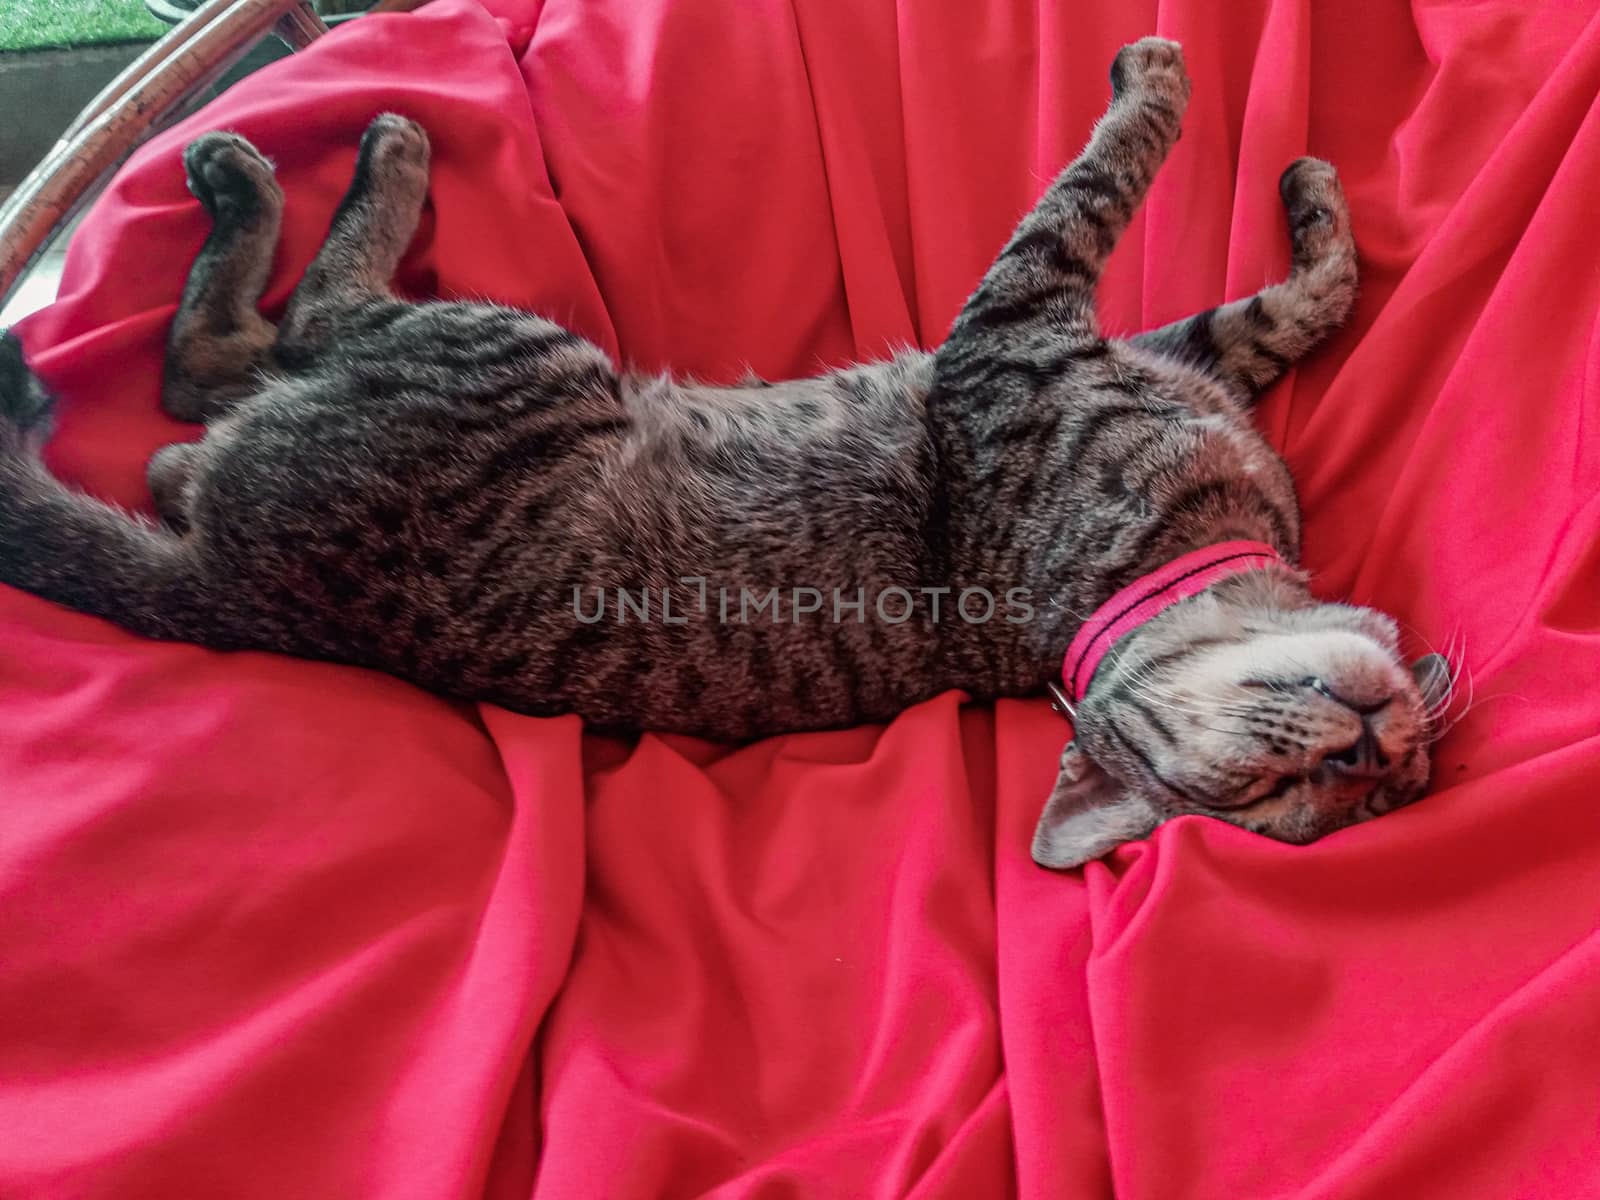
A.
x: 1250, y: 343
x: 370, y: 231
x: 219, y: 339
x: 1041, y: 288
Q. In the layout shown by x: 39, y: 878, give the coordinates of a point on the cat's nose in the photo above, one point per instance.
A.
x: 1361, y: 759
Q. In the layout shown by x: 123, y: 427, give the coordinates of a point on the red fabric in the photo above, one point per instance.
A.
x: 271, y: 928
x: 1128, y: 608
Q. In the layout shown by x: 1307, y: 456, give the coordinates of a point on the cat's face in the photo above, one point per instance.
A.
x: 1288, y: 721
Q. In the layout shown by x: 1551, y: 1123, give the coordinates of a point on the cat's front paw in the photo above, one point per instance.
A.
x: 230, y: 177
x: 1151, y: 69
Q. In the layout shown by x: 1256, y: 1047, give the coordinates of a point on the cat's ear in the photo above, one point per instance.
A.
x: 1088, y: 815
x: 1432, y: 673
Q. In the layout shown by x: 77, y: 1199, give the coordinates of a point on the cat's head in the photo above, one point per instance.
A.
x: 1250, y: 703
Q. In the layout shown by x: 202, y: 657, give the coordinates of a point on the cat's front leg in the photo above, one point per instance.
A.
x: 1043, y: 283
x: 1250, y: 343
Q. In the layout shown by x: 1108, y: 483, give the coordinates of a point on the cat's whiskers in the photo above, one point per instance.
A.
x: 1467, y: 705
x: 1053, y: 602
x: 1143, y: 682
x: 1196, y: 713
x: 1455, y: 657
x: 1434, y: 723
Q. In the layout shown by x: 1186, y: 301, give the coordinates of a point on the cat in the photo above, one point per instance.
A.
x: 473, y: 498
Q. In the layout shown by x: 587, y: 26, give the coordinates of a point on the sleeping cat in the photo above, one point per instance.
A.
x: 474, y: 499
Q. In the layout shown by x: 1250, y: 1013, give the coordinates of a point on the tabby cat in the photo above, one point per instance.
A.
x: 474, y: 499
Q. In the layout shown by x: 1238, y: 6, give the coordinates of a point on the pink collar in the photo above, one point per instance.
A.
x: 1148, y: 595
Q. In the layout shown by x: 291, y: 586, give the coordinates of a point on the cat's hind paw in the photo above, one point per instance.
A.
x: 230, y: 177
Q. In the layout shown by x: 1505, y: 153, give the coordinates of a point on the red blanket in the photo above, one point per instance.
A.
x: 278, y: 929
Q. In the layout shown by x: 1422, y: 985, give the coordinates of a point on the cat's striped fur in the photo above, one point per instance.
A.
x: 421, y: 487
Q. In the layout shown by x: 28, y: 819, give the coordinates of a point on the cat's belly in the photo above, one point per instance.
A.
x: 729, y: 614
x: 756, y: 581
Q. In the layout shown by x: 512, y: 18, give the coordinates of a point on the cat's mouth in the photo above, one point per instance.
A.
x: 1326, y: 777
x: 1278, y: 790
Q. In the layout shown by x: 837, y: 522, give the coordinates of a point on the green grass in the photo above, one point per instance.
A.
x: 42, y: 24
